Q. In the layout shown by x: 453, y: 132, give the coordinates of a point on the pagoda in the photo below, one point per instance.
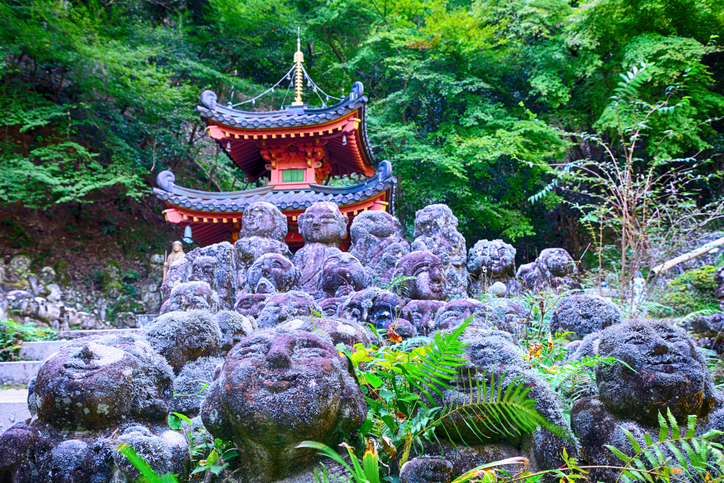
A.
x: 295, y: 150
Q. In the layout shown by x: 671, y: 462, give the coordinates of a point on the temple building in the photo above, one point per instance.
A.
x: 296, y: 150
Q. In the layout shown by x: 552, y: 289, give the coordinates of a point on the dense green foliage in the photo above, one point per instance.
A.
x: 98, y: 96
x: 12, y: 335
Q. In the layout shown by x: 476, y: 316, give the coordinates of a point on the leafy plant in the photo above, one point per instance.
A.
x: 148, y: 474
x: 12, y: 335
x: 208, y: 454
x: 675, y: 452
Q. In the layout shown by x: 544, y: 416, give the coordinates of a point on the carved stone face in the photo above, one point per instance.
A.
x: 99, y: 382
x: 191, y: 296
x: 374, y: 306
x: 429, y: 282
x: 669, y: 372
x: 455, y: 312
x: 421, y: 313
x: 342, y: 274
x: 323, y: 223
x: 264, y: 220
x: 203, y: 270
x: 379, y: 224
x: 558, y: 262
x: 281, y: 307
x: 285, y: 387
x: 431, y: 219
x: 250, y: 304
x: 272, y: 273
x: 176, y: 246
x: 493, y: 259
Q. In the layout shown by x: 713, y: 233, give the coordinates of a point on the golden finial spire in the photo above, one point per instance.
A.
x: 298, y: 74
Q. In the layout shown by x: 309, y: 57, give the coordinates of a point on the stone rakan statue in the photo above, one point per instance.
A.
x: 263, y: 228
x: 378, y: 244
x: 667, y: 373
x: 426, y: 276
x: 491, y: 261
x: 436, y: 232
x: 89, y: 397
x: 271, y: 273
x: 323, y: 228
x: 277, y: 389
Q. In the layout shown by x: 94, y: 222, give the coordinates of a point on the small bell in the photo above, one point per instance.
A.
x: 344, y: 139
x: 188, y: 234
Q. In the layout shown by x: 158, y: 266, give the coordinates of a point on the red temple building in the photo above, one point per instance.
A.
x: 295, y: 150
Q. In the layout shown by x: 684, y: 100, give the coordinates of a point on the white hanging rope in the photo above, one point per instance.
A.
x: 271, y: 89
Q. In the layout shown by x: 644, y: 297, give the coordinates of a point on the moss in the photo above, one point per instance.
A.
x: 692, y: 291
x: 61, y: 273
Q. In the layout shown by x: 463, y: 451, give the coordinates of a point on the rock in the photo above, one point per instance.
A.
x: 21, y: 262
x: 436, y: 232
x: 54, y: 295
x: 426, y: 470
x: 151, y: 296
x: 164, y: 451
x: 378, y: 244
x: 582, y: 314
x: 426, y: 276
x: 183, y: 337
x: 455, y: 312
x: 275, y: 390
x: 125, y: 320
x: 498, y: 289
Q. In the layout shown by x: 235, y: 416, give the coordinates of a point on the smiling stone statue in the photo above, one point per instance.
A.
x: 277, y: 389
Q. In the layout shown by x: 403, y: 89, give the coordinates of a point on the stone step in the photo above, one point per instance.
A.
x: 20, y: 372
x: 13, y: 407
x: 39, y: 351
x: 77, y: 334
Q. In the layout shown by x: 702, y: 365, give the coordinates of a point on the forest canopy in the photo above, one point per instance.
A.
x: 470, y: 100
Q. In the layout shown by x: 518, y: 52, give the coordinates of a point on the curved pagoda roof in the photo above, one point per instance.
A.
x: 339, y: 129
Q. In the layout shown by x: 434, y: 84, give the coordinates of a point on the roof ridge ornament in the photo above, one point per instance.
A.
x: 298, y: 72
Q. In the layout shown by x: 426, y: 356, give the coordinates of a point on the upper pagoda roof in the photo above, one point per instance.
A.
x: 340, y: 128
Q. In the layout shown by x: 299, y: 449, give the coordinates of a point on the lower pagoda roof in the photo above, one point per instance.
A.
x: 289, y: 199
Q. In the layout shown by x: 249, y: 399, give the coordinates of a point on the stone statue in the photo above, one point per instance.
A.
x: 279, y: 308
x: 378, y: 244
x: 436, y: 232
x: 250, y: 304
x: 263, y: 229
x: 493, y: 354
x: 271, y: 273
x: 323, y: 228
x: 372, y: 306
x: 490, y: 262
x: 89, y: 397
x: 666, y: 373
x: 277, y: 389
x: 338, y: 330
x: 341, y: 275
x: 427, y: 276
x: 455, y: 312
x: 582, y: 314
x: 553, y: 269
x: 191, y: 296
x: 421, y: 313
x: 177, y: 253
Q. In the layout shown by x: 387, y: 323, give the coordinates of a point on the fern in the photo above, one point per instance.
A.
x: 675, y: 452
x: 496, y: 409
x: 632, y: 81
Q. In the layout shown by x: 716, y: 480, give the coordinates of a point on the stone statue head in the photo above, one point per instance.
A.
x: 203, y: 269
x: 556, y: 262
x: 427, y: 270
x: 323, y: 223
x: 455, y: 312
x: 433, y: 218
x: 378, y: 224
x: 272, y: 273
x: 100, y: 382
x: 528, y: 275
x: 264, y: 220
x: 176, y: 246
x: 493, y: 259
x: 250, y: 304
x: 372, y: 306
x: 279, y: 308
x: 668, y: 372
x: 342, y: 274
x: 338, y: 330
x: 421, y: 313
x: 191, y: 296
x: 276, y: 389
